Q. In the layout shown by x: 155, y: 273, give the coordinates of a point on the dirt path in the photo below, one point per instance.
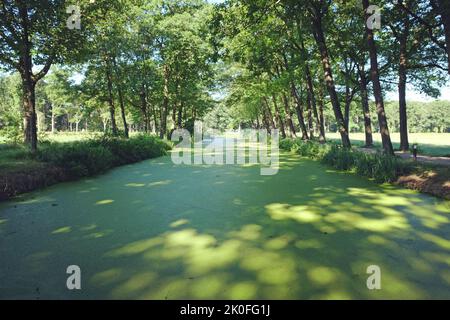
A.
x: 442, y: 161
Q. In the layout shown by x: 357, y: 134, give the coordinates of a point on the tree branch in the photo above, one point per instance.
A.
x: 45, y: 69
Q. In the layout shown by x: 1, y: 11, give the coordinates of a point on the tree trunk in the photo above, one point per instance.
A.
x: 28, y: 84
x: 329, y: 80
x: 122, y: 110
x: 180, y: 116
x: 53, y: 118
x: 309, y: 115
x: 312, y: 98
x: 288, y: 112
x: 174, y: 114
x: 269, y: 114
x: 299, y: 110
x: 402, y: 78
x: 347, y: 107
x: 165, y: 106
x: 29, y: 105
x: 321, y: 119
x: 112, y: 111
x: 377, y: 91
x: 265, y: 119
x: 258, y: 125
x: 121, y: 101
x: 144, y: 109
x: 278, y: 117
x: 365, y: 105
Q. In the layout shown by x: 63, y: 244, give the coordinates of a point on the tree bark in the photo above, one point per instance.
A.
x: 347, y: 106
x: 269, y: 114
x: 121, y: 101
x: 265, y: 119
x: 28, y: 83
x: 165, y: 106
x: 180, y: 115
x: 312, y: 98
x: 309, y: 115
x: 29, y: 106
x: 365, y: 105
x: 402, y: 79
x: 299, y: 110
x: 278, y: 117
x: 144, y: 109
x: 112, y: 109
x: 329, y: 80
x: 288, y: 112
x: 53, y: 118
x: 322, y: 137
x: 122, y: 111
x: 377, y: 91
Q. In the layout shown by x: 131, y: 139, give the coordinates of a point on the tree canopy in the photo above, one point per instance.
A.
x: 303, y: 67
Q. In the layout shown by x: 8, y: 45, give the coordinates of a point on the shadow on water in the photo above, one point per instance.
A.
x: 155, y: 230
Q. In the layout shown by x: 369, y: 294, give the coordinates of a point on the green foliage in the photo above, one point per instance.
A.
x: 90, y: 157
x: 219, y: 118
x: 377, y: 166
x: 10, y: 108
x: 11, y: 134
x: 381, y: 167
x: 134, y: 149
x: 79, y: 158
x: 339, y: 158
x: 310, y: 149
x: 422, y: 116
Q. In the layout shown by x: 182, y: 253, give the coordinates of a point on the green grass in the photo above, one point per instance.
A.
x: 433, y: 144
x: 70, y: 136
x: 376, y: 166
x: 15, y: 158
x: 75, y: 136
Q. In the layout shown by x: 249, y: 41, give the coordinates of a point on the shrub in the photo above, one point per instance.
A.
x: 339, y: 158
x: 287, y: 144
x: 90, y: 157
x: 12, y: 134
x: 311, y: 149
x: 378, y: 166
x: 77, y: 158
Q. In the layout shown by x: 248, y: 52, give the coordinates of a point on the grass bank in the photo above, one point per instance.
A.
x: 379, y: 167
x: 21, y: 171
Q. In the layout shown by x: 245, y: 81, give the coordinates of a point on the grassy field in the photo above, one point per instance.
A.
x: 71, y: 136
x: 433, y: 144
